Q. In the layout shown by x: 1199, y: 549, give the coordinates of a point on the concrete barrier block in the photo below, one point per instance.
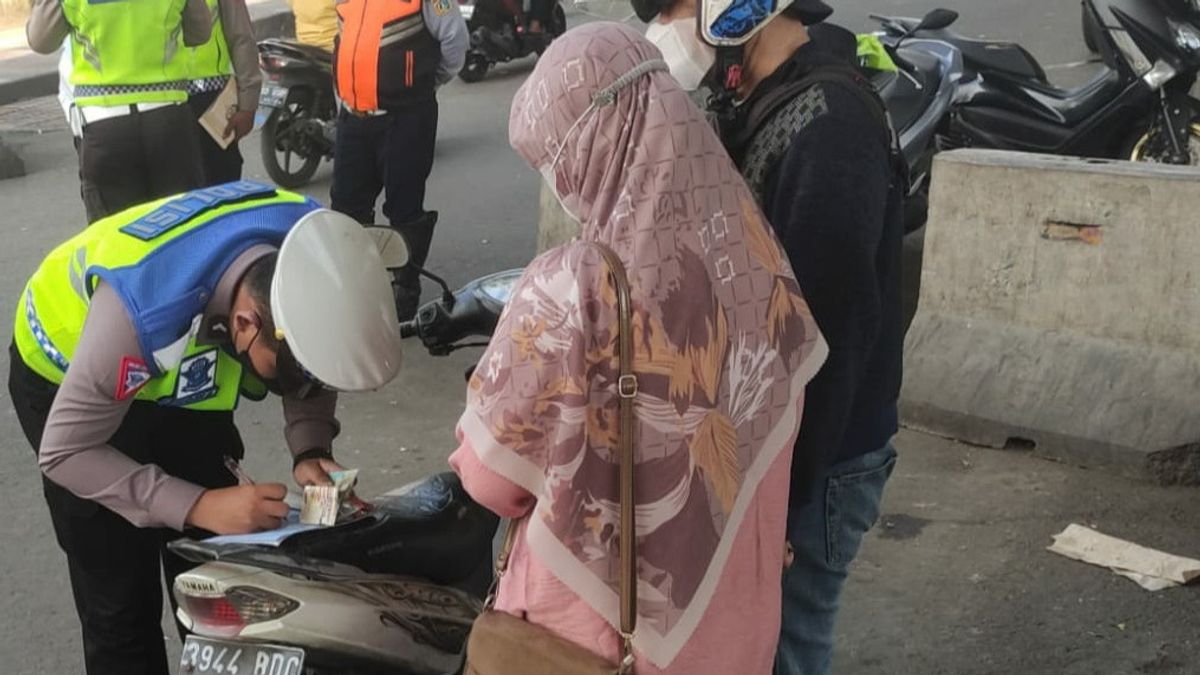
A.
x: 555, y: 227
x: 1060, y: 310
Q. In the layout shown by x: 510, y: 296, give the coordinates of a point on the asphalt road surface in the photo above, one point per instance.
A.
x: 488, y: 204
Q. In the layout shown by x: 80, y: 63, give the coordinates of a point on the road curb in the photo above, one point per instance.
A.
x: 274, y: 20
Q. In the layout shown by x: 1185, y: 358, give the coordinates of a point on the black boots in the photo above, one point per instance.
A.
x: 406, y: 282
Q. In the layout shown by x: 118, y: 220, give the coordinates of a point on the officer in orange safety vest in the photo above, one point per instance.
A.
x: 390, y: 57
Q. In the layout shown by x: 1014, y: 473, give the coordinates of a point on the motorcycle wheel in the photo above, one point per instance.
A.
x: 560, y: 21
x: 296, y: 169
x: 1089, y: 29
x: 1140, y: 149
x: 475, y: 69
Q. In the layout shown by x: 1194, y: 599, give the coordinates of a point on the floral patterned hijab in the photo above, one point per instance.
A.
x: 724, y: 342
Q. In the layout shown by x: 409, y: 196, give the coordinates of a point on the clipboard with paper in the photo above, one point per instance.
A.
x: 215, y: 120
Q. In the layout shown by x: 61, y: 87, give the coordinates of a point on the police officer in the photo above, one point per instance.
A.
x: 129, y: 76
x: 134, y: 342
x: 813, y: 141
x: 389, y: 58
x: 230, y: 52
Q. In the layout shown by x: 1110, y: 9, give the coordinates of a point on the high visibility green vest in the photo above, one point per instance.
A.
x: 127, y: 52
x: 211, y: 59
x: 54, y: 304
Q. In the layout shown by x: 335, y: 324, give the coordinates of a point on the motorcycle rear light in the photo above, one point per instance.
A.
x: 254, y: 605
x: 213, y: 616
x: 271, y: 62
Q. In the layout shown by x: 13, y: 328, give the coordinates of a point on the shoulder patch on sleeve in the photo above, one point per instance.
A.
x: 441, y: 7
x: 133, y: 375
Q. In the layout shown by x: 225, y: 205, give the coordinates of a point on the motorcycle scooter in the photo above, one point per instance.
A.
x: 499, y: 36
x: 301, y: 112
x: 1138, y: 107
x: 394, y: 591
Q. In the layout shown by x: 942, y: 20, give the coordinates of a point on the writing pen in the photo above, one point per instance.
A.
x: 237, y: 471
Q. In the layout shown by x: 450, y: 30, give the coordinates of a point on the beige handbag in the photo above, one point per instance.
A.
x: 502, y: 644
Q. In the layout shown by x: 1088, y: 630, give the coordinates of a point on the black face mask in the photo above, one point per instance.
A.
x: 243, y: 357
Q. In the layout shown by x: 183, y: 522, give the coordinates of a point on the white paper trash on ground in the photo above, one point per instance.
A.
x: 1152, y: 570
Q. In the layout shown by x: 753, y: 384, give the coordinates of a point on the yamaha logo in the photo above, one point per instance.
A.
x: 197, y: 586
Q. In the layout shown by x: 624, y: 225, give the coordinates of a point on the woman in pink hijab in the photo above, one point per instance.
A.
x: 724, y: 345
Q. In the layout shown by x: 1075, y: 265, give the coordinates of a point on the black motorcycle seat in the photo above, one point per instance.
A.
x: 308, y: 51
x: 992, y: 55
x: 1073, y: 105
x: 432, y: 530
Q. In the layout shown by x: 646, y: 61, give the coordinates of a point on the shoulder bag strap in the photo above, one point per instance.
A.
x: 627, y: 389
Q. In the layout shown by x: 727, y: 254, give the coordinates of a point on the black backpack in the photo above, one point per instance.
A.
x: 774, y: 120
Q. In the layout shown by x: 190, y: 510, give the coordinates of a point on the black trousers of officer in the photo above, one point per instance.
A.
x: 392, y: 153
x: 115, y: 567
x: 220, y: 165
x: 138, y: 157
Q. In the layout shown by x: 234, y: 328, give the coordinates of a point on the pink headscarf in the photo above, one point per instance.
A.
x: 724, y: 341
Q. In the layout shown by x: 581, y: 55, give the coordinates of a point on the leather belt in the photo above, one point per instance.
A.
x: 94, y: 113
x: 364, y: 113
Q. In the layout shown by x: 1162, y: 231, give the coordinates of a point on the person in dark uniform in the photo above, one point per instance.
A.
x: 135, y: 341
x: 389, y: 59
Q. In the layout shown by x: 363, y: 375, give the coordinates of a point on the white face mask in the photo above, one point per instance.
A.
x: 604, y: 97
x: 688, y: 57
x: 569, y: 203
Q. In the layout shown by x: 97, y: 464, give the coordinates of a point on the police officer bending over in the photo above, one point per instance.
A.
x: 134, y: 342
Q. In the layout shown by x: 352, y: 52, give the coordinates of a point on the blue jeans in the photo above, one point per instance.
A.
x: 826, y: 534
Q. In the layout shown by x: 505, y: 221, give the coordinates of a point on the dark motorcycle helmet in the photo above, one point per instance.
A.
x: 807, y: 12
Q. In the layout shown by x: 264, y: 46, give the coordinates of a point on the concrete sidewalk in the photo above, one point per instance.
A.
x: 955, y: 579
x: 24, y: 74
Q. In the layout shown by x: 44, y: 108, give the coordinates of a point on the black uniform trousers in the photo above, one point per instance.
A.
x: 392, y: 153
x: 114, y: 566
x: 220, y: 165
x: 138, y: 157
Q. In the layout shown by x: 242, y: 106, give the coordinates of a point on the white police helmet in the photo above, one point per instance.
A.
x: 332, y: 303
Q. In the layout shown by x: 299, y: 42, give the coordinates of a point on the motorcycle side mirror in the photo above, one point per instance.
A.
x: 393, y: 249
x: 937, y: 20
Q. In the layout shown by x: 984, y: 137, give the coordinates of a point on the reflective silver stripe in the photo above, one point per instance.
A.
x: 208, y: 84
x: 400, y: 36
x: 88, y: 90
x: 172, y: 44
x: 402, y: 25
x: 90, y: 53
x: 75, y: 273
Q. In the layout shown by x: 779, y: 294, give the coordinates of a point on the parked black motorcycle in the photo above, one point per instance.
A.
x: 301, y: 123
x: 1138, y: 107
x: 499, y: 36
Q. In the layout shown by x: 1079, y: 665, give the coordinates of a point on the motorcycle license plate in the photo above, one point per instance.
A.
x: 202, y: 655
x: 272, y: 96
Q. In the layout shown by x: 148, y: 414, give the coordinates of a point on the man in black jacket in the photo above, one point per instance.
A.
x: 814, y: 143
